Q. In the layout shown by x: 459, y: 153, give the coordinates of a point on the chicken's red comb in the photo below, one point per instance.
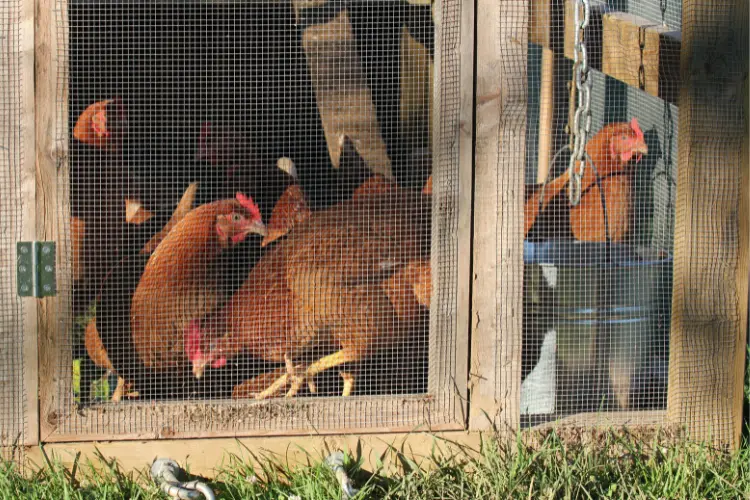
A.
x: 249, y: 205
x: 636, y: 128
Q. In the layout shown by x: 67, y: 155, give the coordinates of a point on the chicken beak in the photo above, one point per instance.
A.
x: 640, y: 150
x: 257, y: 227
x: 198, y: 368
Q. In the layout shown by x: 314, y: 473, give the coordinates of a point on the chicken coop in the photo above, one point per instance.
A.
x: 284, y: 219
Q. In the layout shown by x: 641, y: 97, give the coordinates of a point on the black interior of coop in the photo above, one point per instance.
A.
x: 175, y: 66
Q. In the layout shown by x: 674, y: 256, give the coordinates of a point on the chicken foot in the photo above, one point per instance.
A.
x: 348, y: 378
x: 119, y: 390
x: 291, y: 375
x: 296, y: 380
x: 323, y: 364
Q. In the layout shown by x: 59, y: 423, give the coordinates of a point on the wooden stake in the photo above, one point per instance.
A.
x: 546, y: 115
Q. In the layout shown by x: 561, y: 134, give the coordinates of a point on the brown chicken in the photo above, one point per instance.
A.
x: 359, y: 272
x: 179, y: 282
x: 98, y: 354
x: 611, y: 151
x: 92, y: 340
x: 104, y: 197
x: 95, y: 129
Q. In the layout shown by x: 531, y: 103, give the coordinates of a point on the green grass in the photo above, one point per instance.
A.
x: 617, y: 467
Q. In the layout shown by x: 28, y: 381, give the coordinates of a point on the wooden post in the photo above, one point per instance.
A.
x: 546, y: 115
x: 709, y: 301
x: 18, y: 354
x: 48, y: 151
x: 28, y: 189
x: 451, y: 141
x: 501, y: 96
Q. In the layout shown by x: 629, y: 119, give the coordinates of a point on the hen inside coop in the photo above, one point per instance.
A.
x: 250, y: 200
x: 599, y: 229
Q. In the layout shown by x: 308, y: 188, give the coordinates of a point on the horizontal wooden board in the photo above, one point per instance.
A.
x: 206, y: 457
x: 608, y: 419
x: 300, y: 416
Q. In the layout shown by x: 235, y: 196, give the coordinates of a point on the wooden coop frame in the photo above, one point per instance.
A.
x: 491, y: 99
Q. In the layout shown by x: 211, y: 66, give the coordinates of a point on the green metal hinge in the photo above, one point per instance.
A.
x: 35, y: 269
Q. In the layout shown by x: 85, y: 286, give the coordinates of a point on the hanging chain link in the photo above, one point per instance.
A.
x: 663, y: 7
x: 582, y: 118
x: 641, y: 49
x: 667, y: 157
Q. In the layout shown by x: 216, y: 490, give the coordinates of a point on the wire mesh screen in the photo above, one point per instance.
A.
x: 598, y: 261
x: 248, y: 207
x: 12, y: 389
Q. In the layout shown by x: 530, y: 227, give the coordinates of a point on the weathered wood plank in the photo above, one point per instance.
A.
x: 17, y: 221
x: 49, y: 153
x: 541, y: 22
x: 621, y: 40
x: 465, y: 208
x: 614, y: 39
x: 604, y: 420
x: 451, y: 142
x: 709, y: 317
x: 206, y: 456
x: 298, y: 417
x: 28, y: 189
x: 501, y: 96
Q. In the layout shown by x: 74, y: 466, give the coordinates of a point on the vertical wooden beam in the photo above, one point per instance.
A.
x: 501, y: 100
x: 466, y: 193
x: 546, y: 115
x: 451, y: 142
x: 18, y: 361
x: 28, y: 190
x: 48, y: 152
x: 709, y: 301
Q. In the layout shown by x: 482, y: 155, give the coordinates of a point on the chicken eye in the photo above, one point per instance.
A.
x: 236, y: 217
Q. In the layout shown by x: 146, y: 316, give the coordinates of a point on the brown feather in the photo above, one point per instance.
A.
x: 178, y: 285
x: 346, y: 269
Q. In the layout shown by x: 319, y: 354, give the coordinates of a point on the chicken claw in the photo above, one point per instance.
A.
x: 295, y: 379
x: 123, y: 389
x: 292, y: 376
x: 348, y: 383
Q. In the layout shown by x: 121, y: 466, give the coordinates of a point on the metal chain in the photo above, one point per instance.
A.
x: 667, y: 157
x: 663, y: 7
x: 582, y: 118
x: 641, y: 67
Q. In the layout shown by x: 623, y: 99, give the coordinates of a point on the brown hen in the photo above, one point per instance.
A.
x: 611, y: 151
x: 179, y: 282
x: 359, y: 271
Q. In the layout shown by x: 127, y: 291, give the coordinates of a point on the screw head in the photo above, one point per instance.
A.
x: 48, y: 268
x: 45, y: 250
x: 22, y: 269
x: 47, y: 288
x: 24, y: 249
x: 24, y: 288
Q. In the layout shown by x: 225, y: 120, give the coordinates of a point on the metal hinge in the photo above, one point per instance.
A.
x: 35, y: 270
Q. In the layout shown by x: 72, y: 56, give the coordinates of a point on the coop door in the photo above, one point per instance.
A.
x: 253, y: 239
x: 598, y: 261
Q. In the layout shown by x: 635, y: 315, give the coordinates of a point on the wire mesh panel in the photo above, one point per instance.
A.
x: 599, y: 237
x: 13, y: 407
x: 248, y: 213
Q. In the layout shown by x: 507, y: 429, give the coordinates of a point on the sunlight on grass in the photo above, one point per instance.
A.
x: 616, y: 467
